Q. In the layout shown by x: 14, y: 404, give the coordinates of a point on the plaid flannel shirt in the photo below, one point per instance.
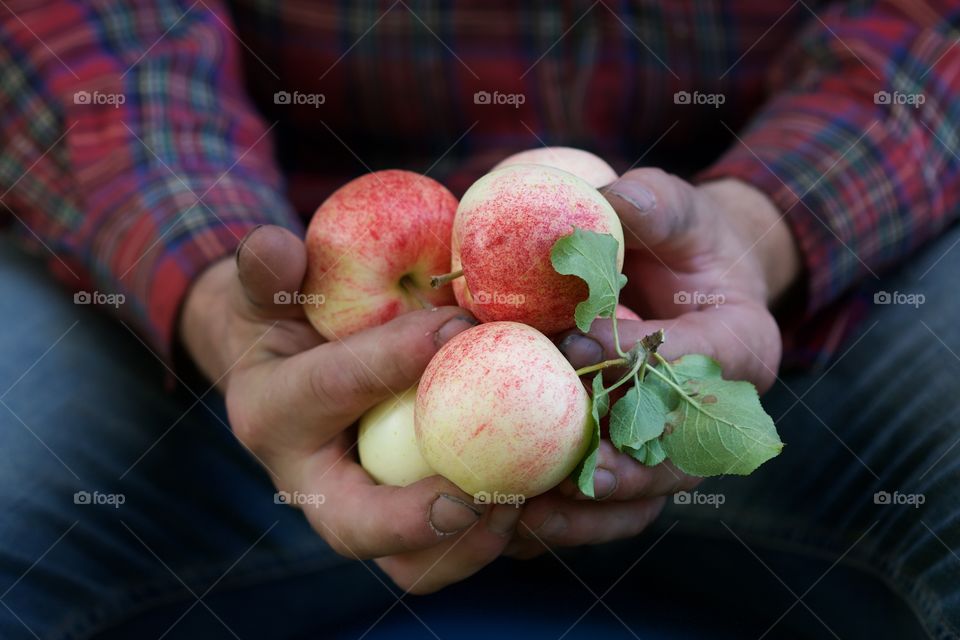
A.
x: 142, y: 139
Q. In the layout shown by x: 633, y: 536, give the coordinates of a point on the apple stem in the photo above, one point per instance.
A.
x: 407, y: 283
x: 616, y: 362
x: 438, y: 281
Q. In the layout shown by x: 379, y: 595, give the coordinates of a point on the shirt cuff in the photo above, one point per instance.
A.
x: 822, y: 174
x: 180, y: 238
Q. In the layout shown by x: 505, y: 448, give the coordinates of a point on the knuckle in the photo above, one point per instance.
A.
x: 359, y: 381
x: 335, y: 540
x: 246, y: 428
x: 335, y: 535
x: 333, y: 383
x: 320, y: 386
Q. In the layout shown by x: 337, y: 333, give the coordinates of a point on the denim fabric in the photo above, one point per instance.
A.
x: 199, y: 549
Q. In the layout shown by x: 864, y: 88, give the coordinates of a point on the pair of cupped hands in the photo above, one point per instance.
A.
x: 292, y: 397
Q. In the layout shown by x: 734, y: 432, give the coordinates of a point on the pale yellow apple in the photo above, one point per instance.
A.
x: 501, y: 413
x: 387, y: 443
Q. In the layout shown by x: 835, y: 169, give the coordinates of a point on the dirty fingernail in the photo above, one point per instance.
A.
x: 452, y: 327
x: 604, y: 483
x: 450, y: 514
x: 244, y: 241
x: 641, y: 198
x: 581, y: 350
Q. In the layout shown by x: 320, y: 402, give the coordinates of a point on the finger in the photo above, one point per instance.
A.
x: 555, y: 521
x: 336, y: 382
x: 453, y: 560
x: 620, y: 477
x: 655, y: 208
x: 271, y: 263
x: 364, y: 520
x: 744, y: 338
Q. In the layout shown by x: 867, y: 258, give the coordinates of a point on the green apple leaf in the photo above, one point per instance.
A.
x: 638, y: 417
x: 650, y: 453
x: 601, y: 399
x: 599, y: 406
x: 655, y: 453
x: 637, y: 453
x: 592, y: 257
x: 693, y: 366
x: 719, y: 428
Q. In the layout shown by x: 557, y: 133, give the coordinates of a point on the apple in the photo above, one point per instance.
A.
x: 500, y: 411
x: 387, y: 442
x: 506, y: 226
x: 583, y: 164
x: 371, y: 249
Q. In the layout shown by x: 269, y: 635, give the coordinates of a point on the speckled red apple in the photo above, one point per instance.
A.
x: 506, y: 226
x: 372, y: 247
x: 500, y: 410
x: 583, y: 164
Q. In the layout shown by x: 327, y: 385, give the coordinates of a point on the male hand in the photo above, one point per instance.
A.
x: 703, y: 263
x: 292, y: 398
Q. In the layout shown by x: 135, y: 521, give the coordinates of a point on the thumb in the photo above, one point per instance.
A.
x: 655, y: 208
x: 338, y: 381
x: 271, y: 263
x: 743, y: 338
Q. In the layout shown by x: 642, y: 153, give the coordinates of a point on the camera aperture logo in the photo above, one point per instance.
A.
x: 297, y: 98
x: 898, y: 297
x: 485, y: 497
x: 98, y: 97
x: 697, y: 98
x: 297, y: 499
x: 98, y: 297
x: 497, y: 297
x: 896, y: 498
x: 512, y: 99
x: 696, y: 498
x: 296, y: 297
x: 699, y: 298
x: 97, y: 498
x: 898, y: 97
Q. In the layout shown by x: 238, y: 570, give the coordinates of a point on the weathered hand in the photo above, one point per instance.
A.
x: 292, y: 398
x: 703, y: 263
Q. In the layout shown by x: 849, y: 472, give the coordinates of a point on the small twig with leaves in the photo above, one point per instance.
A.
x: 683, y: 410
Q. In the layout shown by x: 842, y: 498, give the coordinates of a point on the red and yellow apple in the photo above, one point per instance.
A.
x: 372, y: 247
x: 583, y: 164
x: 499, y: 410
x: 506, y: 226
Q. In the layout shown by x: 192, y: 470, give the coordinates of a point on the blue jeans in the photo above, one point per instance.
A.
x: 129, y: 511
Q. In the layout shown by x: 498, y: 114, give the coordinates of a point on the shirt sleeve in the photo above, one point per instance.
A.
x: 856, y: 144
x: 131, y: 152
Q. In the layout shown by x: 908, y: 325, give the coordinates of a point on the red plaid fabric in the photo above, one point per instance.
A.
x: 142, y: 140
